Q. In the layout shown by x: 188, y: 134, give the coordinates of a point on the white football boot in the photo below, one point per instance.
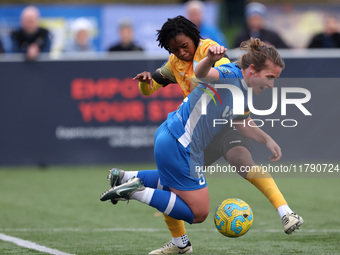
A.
x: 124, y: 191
x: 170, y: 248
x: 290, y: 222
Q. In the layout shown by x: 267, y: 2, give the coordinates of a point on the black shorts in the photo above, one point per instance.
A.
x: 225, y: 140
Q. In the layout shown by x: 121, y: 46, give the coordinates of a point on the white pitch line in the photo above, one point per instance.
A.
x: 31, y: 245
x: 152, y: 230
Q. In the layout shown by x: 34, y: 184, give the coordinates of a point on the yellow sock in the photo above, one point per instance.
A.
x: 264, y: 182
x: 176, y: 227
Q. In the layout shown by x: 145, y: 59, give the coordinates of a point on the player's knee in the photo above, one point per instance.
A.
x: 201, y: 215
x: 239, y: 156
x: 237, y: 160
x: 201, y: 211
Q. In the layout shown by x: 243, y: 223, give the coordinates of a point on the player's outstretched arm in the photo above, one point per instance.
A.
x: 204, y: 67
x: 255, y: 133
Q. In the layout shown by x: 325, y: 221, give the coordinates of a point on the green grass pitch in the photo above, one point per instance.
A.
x: 59, y: 207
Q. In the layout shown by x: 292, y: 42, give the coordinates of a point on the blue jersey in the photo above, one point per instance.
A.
x: 192, y: 123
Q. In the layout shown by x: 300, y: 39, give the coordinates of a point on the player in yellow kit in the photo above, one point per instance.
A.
x: 182, y: 40
x: 178, y: 70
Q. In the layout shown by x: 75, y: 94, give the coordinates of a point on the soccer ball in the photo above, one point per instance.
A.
x: 233, y: 217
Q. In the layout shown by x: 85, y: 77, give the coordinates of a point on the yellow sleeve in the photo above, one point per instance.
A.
x: 206, y: 44
x: 222, y: 61
x: 145, y: 88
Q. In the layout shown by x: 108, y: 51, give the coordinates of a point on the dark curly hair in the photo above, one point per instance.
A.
x: 176, y: 26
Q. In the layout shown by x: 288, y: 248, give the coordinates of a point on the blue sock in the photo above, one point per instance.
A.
x: 150, y: 178
x: 172, y: 205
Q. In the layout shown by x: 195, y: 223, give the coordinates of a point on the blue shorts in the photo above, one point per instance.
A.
x: 173, y: 162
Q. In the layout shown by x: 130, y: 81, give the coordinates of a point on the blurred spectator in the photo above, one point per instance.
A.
x: 81, y: 42
x: 126, y: 39
x: 255, y: 13
x: 30, y: 38
x: 330, y: 37
x: 1, y: 48
x: 195, y: 11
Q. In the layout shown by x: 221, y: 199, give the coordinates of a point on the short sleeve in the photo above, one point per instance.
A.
x: 226, y: 71
x: 164, y: 75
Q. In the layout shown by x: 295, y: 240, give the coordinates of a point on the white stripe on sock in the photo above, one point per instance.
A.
x: 128, y: 175
x: 147, y: 196
x: 170, y: 204
x: 143, y: 196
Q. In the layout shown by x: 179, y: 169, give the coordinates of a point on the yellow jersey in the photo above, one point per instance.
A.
x: 179, y: 71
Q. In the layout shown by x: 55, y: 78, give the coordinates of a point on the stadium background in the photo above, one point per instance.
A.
x: 98, y: 115
x: 65, y: 120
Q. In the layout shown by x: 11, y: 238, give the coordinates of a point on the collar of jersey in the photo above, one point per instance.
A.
x: 244, y: 84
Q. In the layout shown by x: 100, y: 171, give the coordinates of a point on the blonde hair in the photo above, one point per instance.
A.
x: 257, y: 54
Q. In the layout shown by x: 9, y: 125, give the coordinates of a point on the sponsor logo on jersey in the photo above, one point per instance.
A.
x: 224, y: 70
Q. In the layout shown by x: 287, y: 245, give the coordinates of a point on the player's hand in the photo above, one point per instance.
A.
x: 216, y: 52
x: 144, y: 77
x: 275, y: 149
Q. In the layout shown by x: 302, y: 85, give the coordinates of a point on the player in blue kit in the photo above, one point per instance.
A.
x: 182, y: 192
